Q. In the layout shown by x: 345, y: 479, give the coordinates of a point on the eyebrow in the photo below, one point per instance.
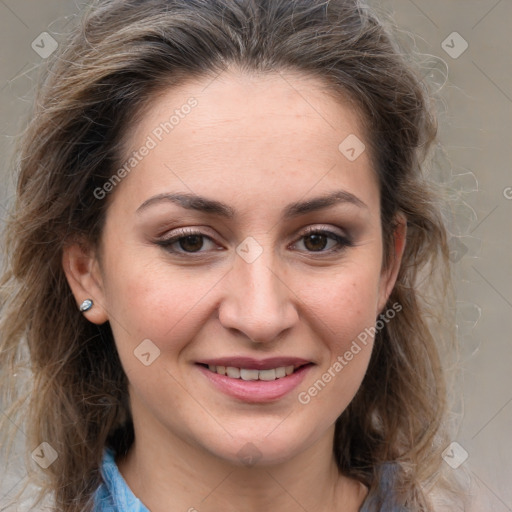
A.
x: 213, y: 207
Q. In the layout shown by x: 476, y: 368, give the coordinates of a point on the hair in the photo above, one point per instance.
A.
x: 124, y: 54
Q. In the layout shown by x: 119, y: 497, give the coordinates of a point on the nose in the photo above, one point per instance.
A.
x: 258, y: 301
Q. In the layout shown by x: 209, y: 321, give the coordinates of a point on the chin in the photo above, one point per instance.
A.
x: 262, y: 449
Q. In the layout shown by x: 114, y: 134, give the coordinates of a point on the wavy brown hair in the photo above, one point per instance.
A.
x: 100, y: 82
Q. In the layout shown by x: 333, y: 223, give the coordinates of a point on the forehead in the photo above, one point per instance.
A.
x: 278, y: 133
x: 260, y: 103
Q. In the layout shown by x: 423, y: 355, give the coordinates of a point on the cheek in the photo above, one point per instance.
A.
x: 156, y: 302
x: 346, y: 303
x: 348, y: 348
x: 164, y: 307
x: 164, y: 299
x: 346, y: 312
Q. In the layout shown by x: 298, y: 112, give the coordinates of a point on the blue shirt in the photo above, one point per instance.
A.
x: 114, y: 495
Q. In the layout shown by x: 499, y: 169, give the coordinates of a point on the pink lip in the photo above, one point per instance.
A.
x: 255, y: 391
x: 256, y: 364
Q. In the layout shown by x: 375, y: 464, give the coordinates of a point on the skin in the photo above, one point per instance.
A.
x: 256, y: 143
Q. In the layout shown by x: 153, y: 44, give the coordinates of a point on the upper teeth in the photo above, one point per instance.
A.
x: 245, y: 374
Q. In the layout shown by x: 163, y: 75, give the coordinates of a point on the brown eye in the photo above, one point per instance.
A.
x: 188, y: 242
x: 191, y: 243
x: 318, y: 242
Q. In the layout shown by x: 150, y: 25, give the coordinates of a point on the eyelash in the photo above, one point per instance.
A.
x: 343, y: 242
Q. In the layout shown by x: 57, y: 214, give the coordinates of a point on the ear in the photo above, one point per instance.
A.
x: 389, y: 275
x: 83, y: 274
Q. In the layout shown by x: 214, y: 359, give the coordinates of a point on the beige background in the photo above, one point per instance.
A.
x: 476, y: 125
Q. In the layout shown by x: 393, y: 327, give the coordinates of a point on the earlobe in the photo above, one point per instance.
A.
x: 84, y: 278
x: 389, y: 275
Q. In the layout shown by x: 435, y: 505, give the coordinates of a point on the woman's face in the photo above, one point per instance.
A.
x: 281, y: 269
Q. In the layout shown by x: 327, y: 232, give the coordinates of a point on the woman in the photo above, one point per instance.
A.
x: 215, y: 260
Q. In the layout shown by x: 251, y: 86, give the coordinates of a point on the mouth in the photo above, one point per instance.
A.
x: 270, y: 374
x: 255, y: 381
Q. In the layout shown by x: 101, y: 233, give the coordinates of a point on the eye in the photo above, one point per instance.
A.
x: 189, y: 240
x: 316, y: 240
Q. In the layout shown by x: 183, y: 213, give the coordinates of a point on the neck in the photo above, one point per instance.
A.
x: 165, y: 471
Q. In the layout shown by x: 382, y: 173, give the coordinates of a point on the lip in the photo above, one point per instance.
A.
x: 256, y: 364
x: 256, y: 391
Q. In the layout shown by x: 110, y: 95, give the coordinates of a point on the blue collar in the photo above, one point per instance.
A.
x: 114, y: 495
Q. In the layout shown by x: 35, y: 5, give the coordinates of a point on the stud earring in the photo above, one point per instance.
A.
x: 86, y: 305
